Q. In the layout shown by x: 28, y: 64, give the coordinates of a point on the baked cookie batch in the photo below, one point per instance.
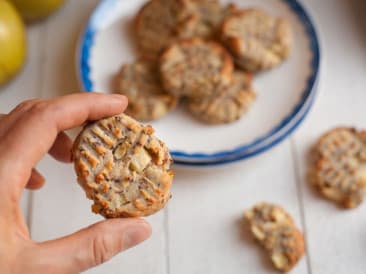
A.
x: 204, y: 55
x: 197, y: 50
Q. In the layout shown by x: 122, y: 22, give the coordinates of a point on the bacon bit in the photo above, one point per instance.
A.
x: 134, y: 127
x: 82, y: 166
x: 147, y: 196
x: 100, y: 177
x: 95, y: 208
x: 101, y: 134
x: 148, y: 130
x: 91, y: 159
x: 109, y: 165
x: 128, y: 178
x: 118, y: 133
x: 105, y: 188
x: 104, y: 204
x: 139, y: 204
x: 100, y: 150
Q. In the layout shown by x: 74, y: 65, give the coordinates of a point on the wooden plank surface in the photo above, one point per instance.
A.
x: 336, y: 237
x: 206, y: 231
x: 201, y: 230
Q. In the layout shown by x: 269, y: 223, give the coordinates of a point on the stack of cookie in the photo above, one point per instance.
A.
x: 203, y: 54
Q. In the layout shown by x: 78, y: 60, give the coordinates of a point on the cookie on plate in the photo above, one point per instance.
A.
x: 338, y: 168
x: 257, y: 40
x: 276, y: 231
x: 227, y: 103
x: 147, y: 100
x: 206, y: 16
x: 123, y: 167
x: 159, y: 23
x: 194, y: 67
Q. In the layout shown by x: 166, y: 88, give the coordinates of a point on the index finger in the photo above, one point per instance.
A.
x: 26, y: 142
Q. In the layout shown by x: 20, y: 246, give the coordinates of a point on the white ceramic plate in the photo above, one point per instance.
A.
x: 285, y: 94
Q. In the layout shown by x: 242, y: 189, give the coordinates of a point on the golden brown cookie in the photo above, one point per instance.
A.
x: 276, y: 231
x: 206, y: 15
x: 157, y: 24
x: 123, y: 167
x: 147, y: 100
x: 257, y: 40
x: 227, y: 103
x: 338, y: 168
x: 194, y: 67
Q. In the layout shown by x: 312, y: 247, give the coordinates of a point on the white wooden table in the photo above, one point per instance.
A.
x: 201, y: 231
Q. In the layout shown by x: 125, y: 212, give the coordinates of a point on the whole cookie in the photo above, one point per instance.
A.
x: 257, y: 40
x: 338, y: 168
x: 227, y: 103
x: 160, y: 22
x: 275, y: 230
x: 147, y: 100
x: 122, y: 167
x: 206, y: 16
x: 194, y: 67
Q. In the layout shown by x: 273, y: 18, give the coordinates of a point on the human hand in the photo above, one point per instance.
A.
x: 27, y: 133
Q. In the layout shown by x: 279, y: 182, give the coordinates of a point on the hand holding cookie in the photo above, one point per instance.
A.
x: 27, y: 133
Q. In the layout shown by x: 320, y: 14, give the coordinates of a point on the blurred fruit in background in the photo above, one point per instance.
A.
x: 12, y: 41
x: 33, y: 10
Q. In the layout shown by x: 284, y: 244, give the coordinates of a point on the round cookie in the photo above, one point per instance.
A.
x: 206, y: 17
x: 226, y: 103
x: 147, y: 100
x: 159, y: 23
x: 338, y: 168
x: 194, y: 67
x: 276, y: 231
x: 123, y: 167
x: 257, y: 40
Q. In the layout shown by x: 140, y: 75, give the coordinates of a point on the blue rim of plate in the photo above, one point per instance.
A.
x: 263, y: 143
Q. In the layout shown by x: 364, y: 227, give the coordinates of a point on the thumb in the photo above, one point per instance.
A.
x: 94, y: 245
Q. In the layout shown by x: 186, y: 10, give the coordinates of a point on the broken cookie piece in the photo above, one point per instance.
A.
x: 276, y: 231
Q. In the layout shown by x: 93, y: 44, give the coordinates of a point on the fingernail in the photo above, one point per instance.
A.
x: 119, y: 96
x: 135, y: 234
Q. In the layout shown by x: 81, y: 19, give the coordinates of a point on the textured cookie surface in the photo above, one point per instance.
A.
x: 257, y: 40
x: 227, y: 103
x: 122, y: 167
x: 159, y: 23
x: 162, y: 22
x: 206, y: 16
x: 338, y: 168
x: 275, y: 230
x: 147, y: 100
x: 194, y: 67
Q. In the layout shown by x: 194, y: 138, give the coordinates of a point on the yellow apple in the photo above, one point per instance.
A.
x: 33, y: 10
x: 12, y: 41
